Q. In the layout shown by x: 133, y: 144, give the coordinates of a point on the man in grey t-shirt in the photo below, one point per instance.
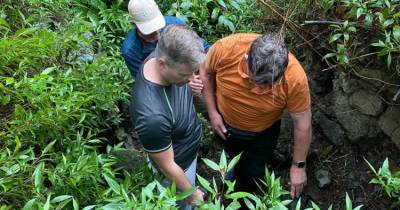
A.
x: 162, y: 107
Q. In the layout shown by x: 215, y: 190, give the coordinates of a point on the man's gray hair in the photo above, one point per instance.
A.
x: 180, y: 45
x: 268, y: 59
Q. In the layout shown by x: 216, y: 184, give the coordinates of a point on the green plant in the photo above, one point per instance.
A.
x: 341, y: 37
x: 388, y: 180
x: 213, y: 19
x: 378, y: 18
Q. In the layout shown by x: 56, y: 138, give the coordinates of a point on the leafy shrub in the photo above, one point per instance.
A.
x: 379, y: 19
x: 215, y: 19
x: 388, y: 180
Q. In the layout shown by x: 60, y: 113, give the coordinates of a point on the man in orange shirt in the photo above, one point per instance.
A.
x: 249, y: 80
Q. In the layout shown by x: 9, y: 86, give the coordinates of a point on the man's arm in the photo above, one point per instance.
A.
x: 208, y: 78
x: 302, y: 141
x: 173, y: 172
x: 132, y: 52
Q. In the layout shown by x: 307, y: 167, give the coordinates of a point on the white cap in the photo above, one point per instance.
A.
x: 146, y: 15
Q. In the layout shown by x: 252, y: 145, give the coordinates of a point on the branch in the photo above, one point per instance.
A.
x: 320, y: 22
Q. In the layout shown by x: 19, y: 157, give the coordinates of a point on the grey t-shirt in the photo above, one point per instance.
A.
x: 165, y: 116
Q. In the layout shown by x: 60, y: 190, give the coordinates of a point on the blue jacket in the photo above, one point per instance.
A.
x: 135, y: 50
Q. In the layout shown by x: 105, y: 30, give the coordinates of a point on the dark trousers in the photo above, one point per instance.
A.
x: 257, y: 153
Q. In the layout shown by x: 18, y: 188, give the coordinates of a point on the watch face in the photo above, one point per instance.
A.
x: 301, y: 164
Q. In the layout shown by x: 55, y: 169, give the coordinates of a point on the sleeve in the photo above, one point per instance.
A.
x: 206, y: 45
x: 299, y: 99
x: 131, y: 52
x: 174, y: 20
x: 154, y: 133
x: 213, y: 56
x: 133, y: 63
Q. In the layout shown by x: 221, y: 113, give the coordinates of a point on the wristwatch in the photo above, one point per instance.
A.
x: 299, y: 164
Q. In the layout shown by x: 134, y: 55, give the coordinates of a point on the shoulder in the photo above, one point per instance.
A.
x: 238, y: 41
x: 239, y: 38
x: 295, y: 72
x: 131, y: 42
x: 173, y: 20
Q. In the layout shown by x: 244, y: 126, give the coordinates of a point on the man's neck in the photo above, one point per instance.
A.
x: 152, y: 72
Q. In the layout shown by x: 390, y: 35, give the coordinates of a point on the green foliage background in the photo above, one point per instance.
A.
x: 62, y: 80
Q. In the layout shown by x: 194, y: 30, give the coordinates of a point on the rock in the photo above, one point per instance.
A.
x: 323, y: 178
x: 374, y: 75
x: 396, y: 137
x: 330, y: 129
x: 128, y: 158
x: 389, y: 122
x: 355, y: 124
x: 346, y: 83
x: 367, y: 103
x: 121, y: 134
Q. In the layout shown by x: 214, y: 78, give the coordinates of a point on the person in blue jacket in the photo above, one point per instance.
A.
x: 142, y: 39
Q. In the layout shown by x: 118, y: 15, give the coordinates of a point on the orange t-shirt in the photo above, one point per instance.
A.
x: 243, y: 105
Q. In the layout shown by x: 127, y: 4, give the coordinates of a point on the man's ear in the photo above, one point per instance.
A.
x: 162, y: 63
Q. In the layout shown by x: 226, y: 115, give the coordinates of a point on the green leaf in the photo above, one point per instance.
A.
x: 329, y: 55
x: 385, y: 167
x: 48, y: 147
x: 47, y: 204
x: 396, y: 32
x: 75, y: 204
x: 237, y: 195
x: 223, y: 21
x: 370, y: 166
x: 89, y: 207
x: 29, y: 204
x: 112, y: 183
x: 360, y: 12
x: 38, y: 176
x: 388, y: 23
x: 234, y: 4
x: 222, y: 161
x: 10, y: 80
x: 389, y: 60
x: 334, y: 38
x: 298, y: 205
x: 233, y: 206
x: 358, y: 207
x: 17, y: 144
x: 352, y: 29
x: 215, y: 13
x: 349, y: 205
x: 315, y: 206
x: 233, y: 162
x: 48, y: 70
x: 186, y: 193
x: 3, y: 22
x: 60, y: 198
x: 206, y: 184
x: 211, y: 164
x: 380, y: 43
x: 346, y: 37
x: 221, y: 3
x: 368, y: 19
x: 249, y: 204
x: 5, y: 100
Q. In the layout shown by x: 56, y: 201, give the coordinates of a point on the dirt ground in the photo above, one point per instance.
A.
x: 346, y: 164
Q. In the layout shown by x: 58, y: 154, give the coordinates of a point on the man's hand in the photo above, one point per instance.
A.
x: 196, y: 84
x: 298, y: 179
x: 195, y: 199
x: 218, y: 124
